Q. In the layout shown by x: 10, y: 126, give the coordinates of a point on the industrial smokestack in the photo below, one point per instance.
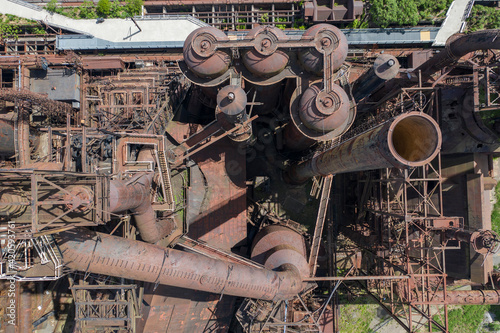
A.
x: 408, y: 140
x: 99, y: 253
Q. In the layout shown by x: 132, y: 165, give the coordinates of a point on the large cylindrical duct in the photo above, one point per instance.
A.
x: 457, y: 46
x: 276, y: 245
x: 408, y: 140
x: 385, y: 68
x: 135, y: 195
x: 7, y: 138
x: 201, y: 54
x: 100, y: 253
x: 265, y: 59
x: 327, y: 38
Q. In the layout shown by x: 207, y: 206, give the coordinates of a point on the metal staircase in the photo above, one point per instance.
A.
x: 164, y: 170
x: 320, y: 221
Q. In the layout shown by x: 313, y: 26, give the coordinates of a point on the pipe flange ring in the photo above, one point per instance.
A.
x: 204, y: 44
x: 326, y: 41
x: 327, y: 102
x: 266, y: 42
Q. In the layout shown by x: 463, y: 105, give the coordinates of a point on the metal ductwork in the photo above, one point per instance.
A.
x: 457, y: 46
x: 100, y: 253
x: 135, y: 195
x: 408, y: 140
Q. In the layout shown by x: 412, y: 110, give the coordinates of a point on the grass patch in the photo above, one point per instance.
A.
x: 495, y: 212
x: 466, y: 318
x: 357, y: 316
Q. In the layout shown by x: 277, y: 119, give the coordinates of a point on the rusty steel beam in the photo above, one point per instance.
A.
x: 458, y: 297
x: 100, y: 253
x: 409, y: 140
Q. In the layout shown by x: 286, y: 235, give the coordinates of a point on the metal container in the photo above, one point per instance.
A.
x: 408, y: 140
x: 265, y: 60
x: 323, y: 111
x: 201, y: 54
x: 232, y: 102
x: 327, y: 39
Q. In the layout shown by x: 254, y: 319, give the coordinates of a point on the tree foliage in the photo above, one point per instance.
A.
x: 384, y: 13
x: 134, y: 7
x: 483, y: 17
x: 103, y: 8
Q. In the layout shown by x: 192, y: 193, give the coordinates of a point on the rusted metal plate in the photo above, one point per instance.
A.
x: 103, y: 63
x: 222, y: 219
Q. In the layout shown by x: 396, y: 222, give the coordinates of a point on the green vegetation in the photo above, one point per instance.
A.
x: 104, y: 8
x: 483, y: 17
x: 430, y: 10
x: 280, y: 26
x: 467, y: 318
x: 494, y: 326
x: 12, y: 26
x: 393, y: 12
x: 299, y: 24
x: 495, y: 212
x: 384, y: 13
x: 357, y: 316
x: 241, y: 26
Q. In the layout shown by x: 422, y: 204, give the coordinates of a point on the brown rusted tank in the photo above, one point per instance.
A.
x: 327, y: 38
x: 318, y: 115
x: 100, y: 253
x: 201, y: 54
x: 232, y: 102
x: 323, y: 111
x: 276, y: 246
x: 265, y: 59
x: 408, y: 140
x: 6, y: 138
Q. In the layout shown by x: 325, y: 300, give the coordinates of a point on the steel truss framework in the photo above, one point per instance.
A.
x: 395, y: 215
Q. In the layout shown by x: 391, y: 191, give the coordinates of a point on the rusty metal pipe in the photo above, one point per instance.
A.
x: 99, y: 253
x: 457, y: 46
x: 408, y: 140
x: 134, y: 195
